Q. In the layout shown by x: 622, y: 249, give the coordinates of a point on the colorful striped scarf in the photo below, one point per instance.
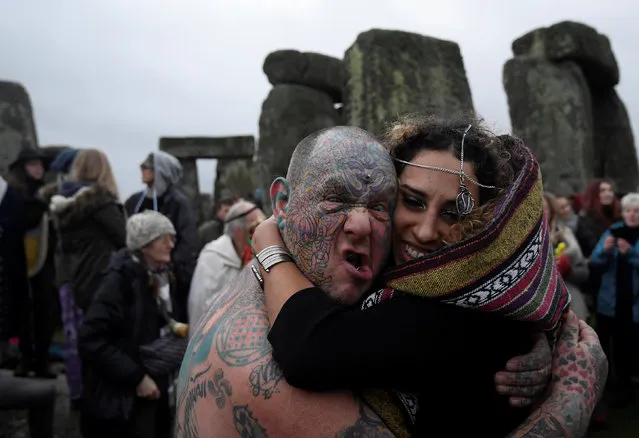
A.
x: 507, y: 269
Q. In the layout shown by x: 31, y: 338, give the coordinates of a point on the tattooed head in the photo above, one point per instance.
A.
x: 335, y: 207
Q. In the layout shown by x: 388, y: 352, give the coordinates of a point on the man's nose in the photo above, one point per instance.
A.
x: 358, y: 223
x: 426, y: 230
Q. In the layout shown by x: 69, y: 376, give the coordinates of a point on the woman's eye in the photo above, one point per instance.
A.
x: 450, y: 215
x: 413, y: 202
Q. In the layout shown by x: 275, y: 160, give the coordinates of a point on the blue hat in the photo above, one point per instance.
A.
x: 64, y: 161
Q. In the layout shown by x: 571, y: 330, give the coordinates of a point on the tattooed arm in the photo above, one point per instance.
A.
x: 580, y: 369
x: 230, y: 384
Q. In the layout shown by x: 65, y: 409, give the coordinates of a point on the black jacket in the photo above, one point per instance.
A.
x: 92, y: 226
x: 123, y: 316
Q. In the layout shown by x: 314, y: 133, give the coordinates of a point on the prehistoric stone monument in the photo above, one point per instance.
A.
x: 384, y: 74
x: 17, y: 128
x: 563, y: 103
x: 226, y: 150
x: 390, y: 73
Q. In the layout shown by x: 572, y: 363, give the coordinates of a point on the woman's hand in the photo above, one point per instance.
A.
x: 609, y: 244
x: 623, y: 246
x: 148, y: 389
x: 267, y: 234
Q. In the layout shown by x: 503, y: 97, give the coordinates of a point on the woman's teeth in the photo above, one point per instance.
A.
x: 414, y: 253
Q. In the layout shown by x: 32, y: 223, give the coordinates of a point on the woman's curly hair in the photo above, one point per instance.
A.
x: 488, y: 153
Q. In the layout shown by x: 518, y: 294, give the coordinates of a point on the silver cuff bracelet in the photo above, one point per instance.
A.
x: 272, y: 255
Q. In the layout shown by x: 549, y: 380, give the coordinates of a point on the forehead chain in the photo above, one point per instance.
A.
x: 462, y: 175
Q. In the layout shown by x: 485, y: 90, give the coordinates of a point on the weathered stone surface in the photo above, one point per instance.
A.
x: 550, y: 109
x: 234, y: 178
x: 390, y: 73
x: 314, y: 70
x: 576, y: 42
x: 614, y: 143
x: 17, y: 128
x: 189, y: 149
x: 242, y: 146
x: 289, y: 113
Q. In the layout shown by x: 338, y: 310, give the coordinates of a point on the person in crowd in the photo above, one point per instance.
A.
x: 126, y: 393
x: 161, y: 172
x: 565, y: 215
x: 439, y: 205
x: 571, y: 261
x: 91, y: 225
x: 600, y: 209
x: 617, y: 256
x: 222, y: 259
x: 26, y: 177
x: 214, y: 228
x: 312, y: 223
x: 38, y: 397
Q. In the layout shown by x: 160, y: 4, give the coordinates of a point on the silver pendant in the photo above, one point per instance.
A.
x: 464, y: 202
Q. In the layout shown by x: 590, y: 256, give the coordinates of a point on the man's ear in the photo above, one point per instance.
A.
x: 280, y: 194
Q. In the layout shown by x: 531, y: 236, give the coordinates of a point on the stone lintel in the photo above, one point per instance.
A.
x: 209, y: 147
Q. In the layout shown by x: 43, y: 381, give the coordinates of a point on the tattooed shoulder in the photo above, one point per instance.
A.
x: 367, y: 425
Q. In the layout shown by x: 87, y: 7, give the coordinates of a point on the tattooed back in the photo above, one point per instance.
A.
x: 230, y: 385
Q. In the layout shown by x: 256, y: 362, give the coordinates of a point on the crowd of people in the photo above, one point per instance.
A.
x: 429, y: 264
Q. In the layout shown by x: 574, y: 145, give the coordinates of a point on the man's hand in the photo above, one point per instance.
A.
x: 623, y: 246
x: 526, y: 377
x: 579, y: 374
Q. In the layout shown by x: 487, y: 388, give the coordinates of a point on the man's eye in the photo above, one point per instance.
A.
x: 379, y: 207
x: 333, y: 198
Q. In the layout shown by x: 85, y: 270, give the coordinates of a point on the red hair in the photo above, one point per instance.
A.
x: 591, y: 203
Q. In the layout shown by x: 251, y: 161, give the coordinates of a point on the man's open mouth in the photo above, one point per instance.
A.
x: 355, y: 259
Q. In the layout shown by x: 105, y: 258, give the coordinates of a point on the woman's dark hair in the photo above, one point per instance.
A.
x: 488, y: 153
x: 591, y: 203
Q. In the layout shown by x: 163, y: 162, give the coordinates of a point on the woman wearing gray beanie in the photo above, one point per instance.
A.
x: 126, y: 394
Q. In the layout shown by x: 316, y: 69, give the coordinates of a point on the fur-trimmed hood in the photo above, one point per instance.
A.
x: 83, y: 202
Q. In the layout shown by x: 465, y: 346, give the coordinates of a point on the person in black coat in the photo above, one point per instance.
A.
x: 161, y: 172
x: 121, y: 397
x: 26, y: 177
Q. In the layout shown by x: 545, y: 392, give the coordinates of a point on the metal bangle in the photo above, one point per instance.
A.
x: 272, y: 255
x: 258, y: 276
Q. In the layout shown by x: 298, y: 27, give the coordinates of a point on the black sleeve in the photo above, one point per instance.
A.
x: 113, y: 222
x: 323, y: 345
x: 100, y: 331
x: 185, y: 252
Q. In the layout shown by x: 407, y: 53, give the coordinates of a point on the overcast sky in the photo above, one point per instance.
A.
x: 119, y: 74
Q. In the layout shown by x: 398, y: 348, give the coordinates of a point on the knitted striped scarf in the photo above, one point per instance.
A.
x: 507, y: 269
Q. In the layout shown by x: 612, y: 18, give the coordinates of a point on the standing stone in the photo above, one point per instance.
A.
x: 313, y: 70
x: 234, y: 178
x: 550, y: 109
x: 289, y: 113
x: 391, y: 73
x: 17, y: 128
x: 571, y: 41
x: 614, y: 143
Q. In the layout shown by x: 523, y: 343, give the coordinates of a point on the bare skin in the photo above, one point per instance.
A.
x: 229, y: 383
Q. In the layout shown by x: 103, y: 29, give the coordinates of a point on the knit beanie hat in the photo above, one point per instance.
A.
x: 143, y: 228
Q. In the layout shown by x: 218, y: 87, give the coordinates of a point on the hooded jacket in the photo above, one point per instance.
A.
x: 166, y: 198
x: 217, y: 267
x: 91, y: 226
